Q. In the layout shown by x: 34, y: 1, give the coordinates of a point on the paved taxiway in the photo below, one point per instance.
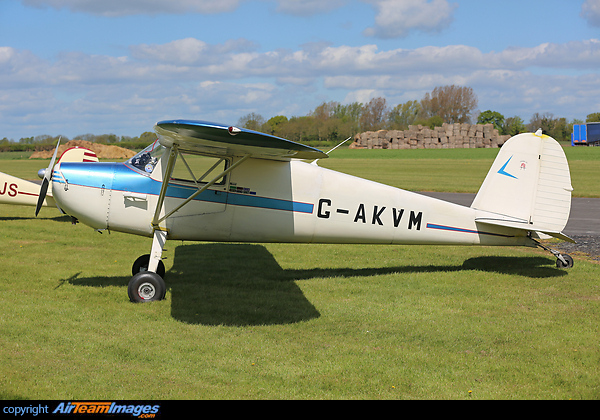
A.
x: 584, y: 219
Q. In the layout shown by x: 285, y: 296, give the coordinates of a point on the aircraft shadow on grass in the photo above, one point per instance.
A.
x: 242, y: 284
x: 63, y: 218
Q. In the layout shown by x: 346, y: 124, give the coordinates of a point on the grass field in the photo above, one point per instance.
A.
x: 444, y: 170
x: 452, y: 170
x: 284, y: 321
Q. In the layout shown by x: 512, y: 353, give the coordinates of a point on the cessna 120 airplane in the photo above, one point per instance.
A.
x: 201, y: 181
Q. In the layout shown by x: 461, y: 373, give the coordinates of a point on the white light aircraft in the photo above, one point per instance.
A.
x: 201, y: 181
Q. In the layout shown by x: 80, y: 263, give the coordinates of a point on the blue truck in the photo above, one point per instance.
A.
x: 586, y: 134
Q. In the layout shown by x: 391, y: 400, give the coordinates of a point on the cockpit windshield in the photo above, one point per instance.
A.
x: 147, y: 159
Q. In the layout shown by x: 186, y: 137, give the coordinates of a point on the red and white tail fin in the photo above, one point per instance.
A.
x: 21, y: 192
x: 78, y: 154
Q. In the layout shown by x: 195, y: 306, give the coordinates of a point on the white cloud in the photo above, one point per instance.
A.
x: 396, y: 18
x: 191, y: 59
x: 155, y: 7
x: 362, y: 95
x: 190, y: 78
x: 590, y: 11
x: 308, y: 7
x: 190, y: 51
x: 575, y: 55
x: 138, y: 7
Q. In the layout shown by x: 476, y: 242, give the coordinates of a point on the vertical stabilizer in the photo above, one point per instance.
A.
x: 528, y: 186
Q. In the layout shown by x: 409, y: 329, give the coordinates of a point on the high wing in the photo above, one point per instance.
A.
x: 214, y: 139
x: 218, y: 139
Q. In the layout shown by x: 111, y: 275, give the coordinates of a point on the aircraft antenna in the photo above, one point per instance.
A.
x: 331, y: 150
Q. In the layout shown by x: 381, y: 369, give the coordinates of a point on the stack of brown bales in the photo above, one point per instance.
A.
x: 103, y: 151
x: 448, y: 136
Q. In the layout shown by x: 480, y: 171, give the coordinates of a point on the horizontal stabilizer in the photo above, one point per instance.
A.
x: 524, y: 226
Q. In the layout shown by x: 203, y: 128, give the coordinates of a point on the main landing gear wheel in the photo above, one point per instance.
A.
x: 141, y: 264
x: 568, y: 259
x: 146, y: 286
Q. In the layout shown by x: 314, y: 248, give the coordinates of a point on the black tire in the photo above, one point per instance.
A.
x: 146, y: 287
x: 141, y: 264
x: 568, y: 259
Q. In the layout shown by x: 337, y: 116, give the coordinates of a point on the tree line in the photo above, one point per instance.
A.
x: 47, y: 142
x: 334, y: 122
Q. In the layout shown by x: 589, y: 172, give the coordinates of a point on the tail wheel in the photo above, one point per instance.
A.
x: 568, y: 259
x: 141, y: 264
x: 146, y: 286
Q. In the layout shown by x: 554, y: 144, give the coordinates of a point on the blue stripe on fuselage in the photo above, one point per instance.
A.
x: 463, y: 230
x: 123, y: 178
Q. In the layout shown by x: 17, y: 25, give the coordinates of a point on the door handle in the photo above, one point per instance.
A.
x: 135, y: 196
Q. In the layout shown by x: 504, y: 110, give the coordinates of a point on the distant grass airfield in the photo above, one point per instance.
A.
x: 287, y: 321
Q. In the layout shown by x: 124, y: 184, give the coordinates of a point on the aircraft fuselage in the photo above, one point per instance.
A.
x: 269, y: 201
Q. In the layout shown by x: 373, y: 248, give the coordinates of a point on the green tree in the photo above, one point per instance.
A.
x: 557, y: 128
x: 252, y: 121
x: 455, y: 104
x: 491, y: 117
x: 432, y: 122
x: 348, y: 113
x: 374, y: 115
x: 332, y: 121
x: 403, y: 115
x: 323, y: 128
x: 594, y: 117
x: 274, y: 123
x: 148, y: 137
x: 324, y: 111
x: 349, y: 118
x: 298, y: 129
x: 513, y: 126
x: 562, y: 129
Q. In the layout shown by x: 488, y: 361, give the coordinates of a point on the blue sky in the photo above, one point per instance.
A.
x: 117, y: 66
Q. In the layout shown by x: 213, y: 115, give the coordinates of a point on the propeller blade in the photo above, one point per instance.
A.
x: 42, y: 195
x: 46, y: 180
x: 49, y: 170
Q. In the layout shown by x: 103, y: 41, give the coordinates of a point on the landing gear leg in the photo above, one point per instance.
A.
x: 562, y: 260
x: 158, y: 244
x: 147, y: 284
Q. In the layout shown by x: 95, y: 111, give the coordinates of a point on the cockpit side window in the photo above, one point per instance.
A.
x: 147, y: 159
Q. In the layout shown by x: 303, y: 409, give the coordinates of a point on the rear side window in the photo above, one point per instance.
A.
x: 198, y: 169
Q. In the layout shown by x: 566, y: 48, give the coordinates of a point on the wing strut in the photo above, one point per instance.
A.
x: 163, y: 189
x: 160, y: 234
